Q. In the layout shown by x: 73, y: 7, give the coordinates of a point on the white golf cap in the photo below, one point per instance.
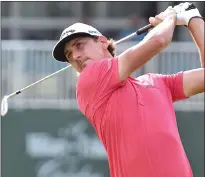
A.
x: 73, y: 31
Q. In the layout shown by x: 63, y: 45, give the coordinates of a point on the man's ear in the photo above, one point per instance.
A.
x: 104, y: 41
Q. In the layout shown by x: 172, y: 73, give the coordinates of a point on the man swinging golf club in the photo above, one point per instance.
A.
x: 134, y: 118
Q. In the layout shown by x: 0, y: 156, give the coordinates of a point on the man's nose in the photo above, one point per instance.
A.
x: 76, y: 56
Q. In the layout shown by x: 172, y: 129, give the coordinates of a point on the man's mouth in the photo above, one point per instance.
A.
x: 83, y: 63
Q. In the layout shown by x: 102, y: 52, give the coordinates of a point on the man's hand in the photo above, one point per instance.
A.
x: 168, y: 13
x: 185, y: 12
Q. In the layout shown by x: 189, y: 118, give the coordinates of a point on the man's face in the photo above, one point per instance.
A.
x: 82, y: 51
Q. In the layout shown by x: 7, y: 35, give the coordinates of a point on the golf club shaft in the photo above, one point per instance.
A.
x: 138, y: 32
x: 19, y: 91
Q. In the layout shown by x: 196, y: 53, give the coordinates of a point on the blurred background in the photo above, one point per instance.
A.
x: 44, y: 134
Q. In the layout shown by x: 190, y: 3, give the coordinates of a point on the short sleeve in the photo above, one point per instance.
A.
x: 174, y: 82
x: 96, y: 83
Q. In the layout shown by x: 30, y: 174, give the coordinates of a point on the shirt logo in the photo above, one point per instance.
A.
x: 109, y: 63
x: 147, y: 85
x: 150, y: 86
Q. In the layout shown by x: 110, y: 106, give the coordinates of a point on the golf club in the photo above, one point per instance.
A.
x: 4, y: 103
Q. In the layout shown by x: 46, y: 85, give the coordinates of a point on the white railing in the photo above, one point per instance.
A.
x: 24, y: 62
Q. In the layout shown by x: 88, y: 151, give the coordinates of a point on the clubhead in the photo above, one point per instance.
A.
x: 4, y: 106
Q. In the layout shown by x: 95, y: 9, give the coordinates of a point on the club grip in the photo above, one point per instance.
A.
x: 144, y: 29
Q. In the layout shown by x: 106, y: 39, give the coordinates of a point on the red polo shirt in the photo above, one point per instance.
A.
x: 135, y: 120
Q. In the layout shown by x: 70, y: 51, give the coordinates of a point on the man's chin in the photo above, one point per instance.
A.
x: 86, y: 63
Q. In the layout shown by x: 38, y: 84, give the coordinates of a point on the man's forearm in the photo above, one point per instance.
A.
x: 156, y: 40
x: 196, y: 27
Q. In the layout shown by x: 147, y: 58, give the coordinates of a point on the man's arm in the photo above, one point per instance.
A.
x: 193, y: 82
x: 189, y: 15
x: 196, y: 27
x: 156, y: 40
x: 176, y: 82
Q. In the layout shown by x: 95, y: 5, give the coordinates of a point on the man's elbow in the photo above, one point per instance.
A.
x: 161, y: 41
x: 194, y: 82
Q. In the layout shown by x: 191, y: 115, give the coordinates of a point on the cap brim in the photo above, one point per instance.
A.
x: 58, y: 50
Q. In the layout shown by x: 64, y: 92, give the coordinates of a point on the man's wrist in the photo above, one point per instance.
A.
x: 194, y: 13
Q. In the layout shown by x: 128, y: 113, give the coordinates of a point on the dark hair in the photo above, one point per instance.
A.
x: 111, y: 47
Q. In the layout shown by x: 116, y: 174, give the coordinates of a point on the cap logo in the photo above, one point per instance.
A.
x: 93, y: 32
x: 71, y: 31
x: 66, y: 33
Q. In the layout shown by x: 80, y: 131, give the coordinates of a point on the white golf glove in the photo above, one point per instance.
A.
x: 185, y: 12
x: 169, y: 11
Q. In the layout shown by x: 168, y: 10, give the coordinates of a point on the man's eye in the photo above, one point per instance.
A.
x: 78, y: 45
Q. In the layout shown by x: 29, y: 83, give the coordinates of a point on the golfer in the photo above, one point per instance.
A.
x: 134, y: 118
